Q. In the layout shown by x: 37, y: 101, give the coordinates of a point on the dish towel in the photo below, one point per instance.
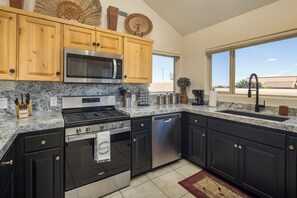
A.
x: 102, y: 147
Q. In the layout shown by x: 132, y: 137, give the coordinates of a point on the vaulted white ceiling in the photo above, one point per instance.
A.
x: 188, y: 16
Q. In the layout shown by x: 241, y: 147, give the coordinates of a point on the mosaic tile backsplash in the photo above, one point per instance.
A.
x: 41, y: 92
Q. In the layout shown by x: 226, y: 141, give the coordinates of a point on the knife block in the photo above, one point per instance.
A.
x: 24, y: 113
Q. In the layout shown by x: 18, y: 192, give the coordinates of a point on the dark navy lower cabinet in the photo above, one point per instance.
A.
x: 7, y: 174
x: 291, y: 167
x: 256, y: 167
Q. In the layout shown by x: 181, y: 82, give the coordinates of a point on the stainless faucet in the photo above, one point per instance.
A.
x: 257, y: 106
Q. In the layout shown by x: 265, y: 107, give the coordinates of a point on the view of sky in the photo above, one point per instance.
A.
x: 271, y: 59
x: 163, y: 67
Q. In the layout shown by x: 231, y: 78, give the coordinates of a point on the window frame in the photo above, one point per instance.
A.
x: 175, y: 60
x: 248, y: 43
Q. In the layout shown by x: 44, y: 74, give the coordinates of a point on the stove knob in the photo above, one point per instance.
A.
x: 87, y: 129
x: 77, y: 130
x: 101, y: 126
x: 114, y: 125
x: 122, y: 124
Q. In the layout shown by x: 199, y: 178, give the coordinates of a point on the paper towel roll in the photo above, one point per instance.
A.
x: 213, y: 96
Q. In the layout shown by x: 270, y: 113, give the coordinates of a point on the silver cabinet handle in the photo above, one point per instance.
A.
x: 239, y: 146
x: 8, y: 163
x: 142, y: 125
x: 58, y: 158
x: 291, y: 147
x: 43, y: 142
x: 134, y: 140
x: 235, y: 145
x: 203, y: 135
x: 195, y: 121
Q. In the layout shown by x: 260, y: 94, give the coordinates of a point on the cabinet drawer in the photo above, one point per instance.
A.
x: 44, y: 141
x: 141, y: 124
x: 197, y: 120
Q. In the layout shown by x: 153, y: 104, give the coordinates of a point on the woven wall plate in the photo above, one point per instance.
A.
x: 83, y: 11
x: 138, y: 24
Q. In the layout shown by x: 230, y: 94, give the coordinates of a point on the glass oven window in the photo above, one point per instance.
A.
x: 82, y: 169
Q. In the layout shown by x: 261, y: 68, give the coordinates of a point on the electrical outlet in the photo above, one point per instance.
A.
x: 133, y: 99
x: 3, y: 103
x: 54, y: 102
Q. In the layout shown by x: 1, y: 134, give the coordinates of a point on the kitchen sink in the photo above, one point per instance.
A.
x: 254, y: 115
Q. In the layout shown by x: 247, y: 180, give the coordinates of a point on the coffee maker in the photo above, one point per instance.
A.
x: 199, y: 95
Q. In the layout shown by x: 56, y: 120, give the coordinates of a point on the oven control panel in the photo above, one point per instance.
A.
x: 97, y: 127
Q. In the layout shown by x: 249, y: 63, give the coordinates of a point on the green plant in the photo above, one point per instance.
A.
x: 183, y: 82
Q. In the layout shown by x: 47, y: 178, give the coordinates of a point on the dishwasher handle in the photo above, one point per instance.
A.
x: 166, y: 118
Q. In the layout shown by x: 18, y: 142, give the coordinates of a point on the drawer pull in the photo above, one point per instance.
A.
x: 195, y: 121
x: 142, y: 125
x: 57, y: 158
x: 239, y: 146
x: 203, y: 135
x: 43, y: 142
x: 8, y: 163
x: 291, y: 147
x: 235, y: 145
x: 134, y: 140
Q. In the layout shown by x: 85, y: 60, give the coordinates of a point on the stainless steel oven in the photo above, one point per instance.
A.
x: 83, y: 66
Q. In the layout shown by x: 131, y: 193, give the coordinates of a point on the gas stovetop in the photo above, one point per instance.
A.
x: 93, y: 117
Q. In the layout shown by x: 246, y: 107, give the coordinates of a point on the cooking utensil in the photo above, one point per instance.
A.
x: 27, y: 98
x: 22, y: 99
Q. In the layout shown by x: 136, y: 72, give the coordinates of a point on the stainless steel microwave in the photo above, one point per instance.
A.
x: 83, y: 66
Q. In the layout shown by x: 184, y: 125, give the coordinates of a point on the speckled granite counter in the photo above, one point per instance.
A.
x: 289, y: 125
x: 10, y: 127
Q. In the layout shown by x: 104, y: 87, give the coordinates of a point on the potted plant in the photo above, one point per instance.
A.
x: 183, y: 83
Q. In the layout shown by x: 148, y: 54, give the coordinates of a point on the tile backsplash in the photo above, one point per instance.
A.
x: 41, y: 92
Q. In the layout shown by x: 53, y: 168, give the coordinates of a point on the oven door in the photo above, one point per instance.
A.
x: 92, y: 67
x: 80, y: 166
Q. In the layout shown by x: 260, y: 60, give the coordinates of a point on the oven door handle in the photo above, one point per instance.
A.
x: 74, y: 138
x: 114, y: 68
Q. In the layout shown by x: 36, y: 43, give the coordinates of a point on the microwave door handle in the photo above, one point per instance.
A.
x: 114, y: 68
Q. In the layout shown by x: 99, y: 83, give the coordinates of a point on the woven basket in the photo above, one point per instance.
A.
x: 69, y: 10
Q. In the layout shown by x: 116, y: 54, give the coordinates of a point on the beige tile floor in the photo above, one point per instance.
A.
x: 159, y: 183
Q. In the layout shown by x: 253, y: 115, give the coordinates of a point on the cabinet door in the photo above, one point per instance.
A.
x: 8, y: 46
x: 222, y: 155
x: 197, y: 145
x: 7, y: 174
x: 138, y: 61
x: 141, y: 152
x: 262, y: 169
x: 80, y: 38
x: 43, y: 174
x: 109, y: 43
x: 292, y: 167
x: 39, y: 50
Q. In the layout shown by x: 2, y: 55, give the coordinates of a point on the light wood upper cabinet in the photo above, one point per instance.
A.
x: 138, y: 61
x: 109, y: 43
x: 39, y: 49
x: 88, y: 39
x: 80, y: 38
x: 7, y: 46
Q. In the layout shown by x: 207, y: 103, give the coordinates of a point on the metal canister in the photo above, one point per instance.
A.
x: 174, y: 98
x: 160, y: 99
x: 167, y: 99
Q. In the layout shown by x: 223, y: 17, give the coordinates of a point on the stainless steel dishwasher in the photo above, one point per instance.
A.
x: 166, y: 139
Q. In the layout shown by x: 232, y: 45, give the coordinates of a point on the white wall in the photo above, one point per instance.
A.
x: 273, y: 18
x: 166, y: 38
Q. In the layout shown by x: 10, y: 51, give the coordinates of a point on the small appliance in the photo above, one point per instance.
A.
x: 199, y: 95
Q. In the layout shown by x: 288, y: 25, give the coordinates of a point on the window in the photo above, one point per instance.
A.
x: 163, y: 74
x: 221, y: 71
x: 275, y: 63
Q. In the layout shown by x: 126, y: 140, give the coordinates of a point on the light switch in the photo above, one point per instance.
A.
x: 54, y: 102
x: 3, y: 103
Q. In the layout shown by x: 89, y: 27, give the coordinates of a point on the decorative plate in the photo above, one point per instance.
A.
x: 138, y: 24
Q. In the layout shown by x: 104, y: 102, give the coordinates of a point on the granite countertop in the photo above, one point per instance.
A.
x: 10, y: 127
x: 288, y: 125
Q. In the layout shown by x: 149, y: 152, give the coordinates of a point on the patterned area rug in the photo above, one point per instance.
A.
x: 205, y: 185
